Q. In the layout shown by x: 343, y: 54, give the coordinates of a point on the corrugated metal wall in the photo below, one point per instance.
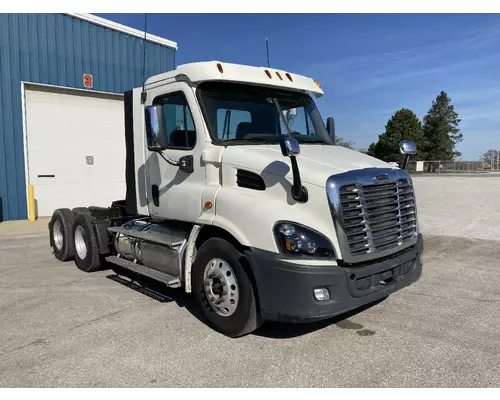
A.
x: 57, y: 49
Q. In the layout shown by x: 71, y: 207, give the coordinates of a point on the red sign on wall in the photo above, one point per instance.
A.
x: 88, y: 81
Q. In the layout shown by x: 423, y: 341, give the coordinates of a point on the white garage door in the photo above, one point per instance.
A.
x: 76, y: 148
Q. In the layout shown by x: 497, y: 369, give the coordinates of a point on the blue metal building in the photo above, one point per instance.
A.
x: 68, y: 51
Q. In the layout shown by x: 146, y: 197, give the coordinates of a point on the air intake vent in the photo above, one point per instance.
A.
x: 249, y: 180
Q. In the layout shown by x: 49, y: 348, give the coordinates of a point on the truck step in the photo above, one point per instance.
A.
x: 151, y: 236
x: 169, y: 280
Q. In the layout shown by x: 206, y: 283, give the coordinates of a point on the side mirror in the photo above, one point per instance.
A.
x: 289, y: 147
x: 407, y: 148
x: 156, y: 128
x: 330, y: 127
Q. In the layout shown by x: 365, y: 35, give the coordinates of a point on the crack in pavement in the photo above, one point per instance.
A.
x: 97, y: 319
x: 91, y: 321
x: 33, y: 343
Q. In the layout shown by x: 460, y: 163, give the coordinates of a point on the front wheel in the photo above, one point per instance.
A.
x: 224, y: 290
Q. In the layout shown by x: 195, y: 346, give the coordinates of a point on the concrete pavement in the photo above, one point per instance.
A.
x: 24, y: 227
x: 62, y: 327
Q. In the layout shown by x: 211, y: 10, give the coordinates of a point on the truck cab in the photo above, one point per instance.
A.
x: 237, y: 194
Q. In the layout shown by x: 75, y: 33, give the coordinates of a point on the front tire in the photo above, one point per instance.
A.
x: 224, y: 290
x: 87, y: 257
x: 61, y: 234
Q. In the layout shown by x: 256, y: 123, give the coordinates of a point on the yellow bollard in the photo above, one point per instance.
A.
x: 31, y: 203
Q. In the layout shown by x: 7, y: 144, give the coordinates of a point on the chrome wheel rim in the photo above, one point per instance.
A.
x: 57, y: 235
x: 221, y: 287
x: 81, y: 247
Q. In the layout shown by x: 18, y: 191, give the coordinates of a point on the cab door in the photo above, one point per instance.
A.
x: 174, y: 192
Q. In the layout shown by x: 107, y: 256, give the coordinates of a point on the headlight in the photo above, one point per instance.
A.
x: 297, y: 239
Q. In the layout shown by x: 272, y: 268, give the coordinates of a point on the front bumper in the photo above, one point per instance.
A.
x: 285, y: 290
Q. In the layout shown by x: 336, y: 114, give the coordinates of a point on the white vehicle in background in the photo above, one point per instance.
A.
x: 248, y: 205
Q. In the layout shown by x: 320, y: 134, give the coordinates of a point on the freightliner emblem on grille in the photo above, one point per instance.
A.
x: 381, y: 179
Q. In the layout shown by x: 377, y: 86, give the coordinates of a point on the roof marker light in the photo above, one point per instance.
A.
x: 289, y: 77
x: 279, y: 76
x: 219, y: 67
x: 317, y: 84
x: 268, y: 74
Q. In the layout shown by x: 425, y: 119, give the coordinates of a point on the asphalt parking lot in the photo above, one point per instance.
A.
x: 62, y: 327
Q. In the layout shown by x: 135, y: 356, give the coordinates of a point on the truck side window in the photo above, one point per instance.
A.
x: 180, y: 130
x: 228, y: 121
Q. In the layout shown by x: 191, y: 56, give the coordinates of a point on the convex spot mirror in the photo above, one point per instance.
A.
x: 407, y: 147
x: 289, y: 147
x: 155, y: 128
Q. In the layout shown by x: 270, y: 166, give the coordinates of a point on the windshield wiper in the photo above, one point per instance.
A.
x: 315, y: 142
x: 285, y: 122
x: 261, y: 140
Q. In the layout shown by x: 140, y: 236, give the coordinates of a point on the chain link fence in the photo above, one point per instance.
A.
x: 443, y: 167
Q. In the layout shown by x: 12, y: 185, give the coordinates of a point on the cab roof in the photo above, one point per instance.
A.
x: 199, y: 72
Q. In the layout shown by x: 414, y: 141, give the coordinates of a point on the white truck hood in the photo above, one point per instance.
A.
x: 316, y: 162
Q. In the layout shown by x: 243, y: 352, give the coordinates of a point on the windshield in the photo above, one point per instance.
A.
x: 243, y: 114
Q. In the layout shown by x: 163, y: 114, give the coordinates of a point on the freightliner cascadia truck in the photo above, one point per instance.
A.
x: 236, y: 193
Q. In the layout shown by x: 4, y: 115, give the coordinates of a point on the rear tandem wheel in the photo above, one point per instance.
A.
x: 61, y: 234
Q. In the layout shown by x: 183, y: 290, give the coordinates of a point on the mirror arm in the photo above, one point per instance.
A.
x: 290, y: 148
x: 171, y: 162
x: 299, y: 192
x: 406, y: 161
x: 185, y: 163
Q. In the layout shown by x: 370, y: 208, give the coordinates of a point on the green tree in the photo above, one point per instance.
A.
x: 403, y: 125
x: 441, y: 130
x: 372, y: 150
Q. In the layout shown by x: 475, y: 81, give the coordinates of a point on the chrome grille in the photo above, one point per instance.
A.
x: 377, y: 217
x: 373, y: 217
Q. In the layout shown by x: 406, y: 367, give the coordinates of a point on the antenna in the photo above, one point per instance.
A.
x: 267, y: 50
x: 143, y: 94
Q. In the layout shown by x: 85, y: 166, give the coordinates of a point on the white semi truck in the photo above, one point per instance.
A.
x: 236, y: 194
